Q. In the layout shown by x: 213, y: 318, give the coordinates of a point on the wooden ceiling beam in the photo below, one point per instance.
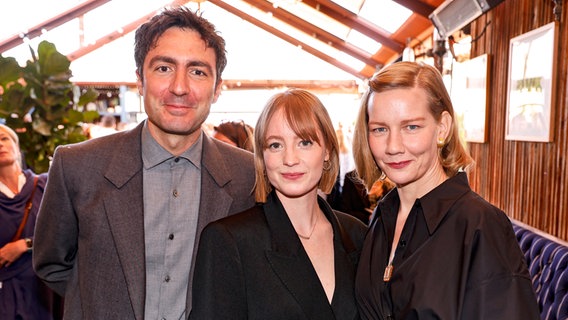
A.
x: 352, y: 20
x: 49, y: 24
x: 344, y: 86
x: 109, y: 38
x: 284, y: 36
x: 314, y: 31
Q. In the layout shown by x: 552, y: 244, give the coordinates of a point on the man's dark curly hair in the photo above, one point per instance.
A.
x: 148, y: 34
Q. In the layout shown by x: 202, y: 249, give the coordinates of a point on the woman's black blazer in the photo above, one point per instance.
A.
x: 253, y: 266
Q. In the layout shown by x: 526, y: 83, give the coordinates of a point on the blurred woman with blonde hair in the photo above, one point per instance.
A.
x: 22, y: 294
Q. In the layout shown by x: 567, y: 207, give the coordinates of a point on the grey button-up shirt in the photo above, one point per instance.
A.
x: 172, y: 188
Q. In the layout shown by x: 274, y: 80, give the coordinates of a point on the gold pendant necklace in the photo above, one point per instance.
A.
x: 388, y: 273
x: 311, y: 232
x: 389, y: 269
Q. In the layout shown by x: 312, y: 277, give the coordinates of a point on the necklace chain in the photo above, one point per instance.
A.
x: 311, y: 232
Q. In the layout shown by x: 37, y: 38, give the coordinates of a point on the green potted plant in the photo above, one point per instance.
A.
x: 39, y: 103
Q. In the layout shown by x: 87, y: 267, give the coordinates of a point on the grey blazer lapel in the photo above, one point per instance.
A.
x: 215, y: 202
x: 292, y: 265
x: 124, y: 207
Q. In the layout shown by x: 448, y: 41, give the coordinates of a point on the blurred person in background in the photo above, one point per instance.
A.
x: 236, y: 133
x: 106, y: 126
x: 22, y: 293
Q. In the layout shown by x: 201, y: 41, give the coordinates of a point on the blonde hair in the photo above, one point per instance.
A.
x: 14, y: 136
x: 306, y: 116
x: 407, y: 75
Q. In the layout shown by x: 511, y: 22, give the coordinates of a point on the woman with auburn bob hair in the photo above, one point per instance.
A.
x: 435, y: 249
x: 291, y: 256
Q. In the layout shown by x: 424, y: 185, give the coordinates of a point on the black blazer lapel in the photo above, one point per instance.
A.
x: 346, y: 258
x: 292, y: 265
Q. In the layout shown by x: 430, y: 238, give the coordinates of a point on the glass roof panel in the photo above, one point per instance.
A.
x: 328, y: 24
x: 296, y: 33
x: 386, y: 14
x: 315, y: 17
x: 362, y: 41
x: 351, y: 5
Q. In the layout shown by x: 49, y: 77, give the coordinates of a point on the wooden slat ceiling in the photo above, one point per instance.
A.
x: 417, y: 27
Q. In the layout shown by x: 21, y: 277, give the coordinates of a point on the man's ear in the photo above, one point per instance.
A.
x: 218, y: 90
x: 139, y: 83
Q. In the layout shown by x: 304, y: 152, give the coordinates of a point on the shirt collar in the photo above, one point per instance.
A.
x: 153, y: 153
x: 435, y: 204
x: 440, y: 200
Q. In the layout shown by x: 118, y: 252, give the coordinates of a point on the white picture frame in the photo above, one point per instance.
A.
x: 470, y: 87
x: 531, y: 85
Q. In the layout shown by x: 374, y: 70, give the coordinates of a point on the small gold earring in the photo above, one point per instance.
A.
x: 383, y: 176
x: 441, y: 142
x: 326, y: 165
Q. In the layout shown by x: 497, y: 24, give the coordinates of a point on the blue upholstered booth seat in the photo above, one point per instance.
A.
x: 547, y: 260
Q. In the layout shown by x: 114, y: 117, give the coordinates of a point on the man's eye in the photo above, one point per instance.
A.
x: 199, y: 72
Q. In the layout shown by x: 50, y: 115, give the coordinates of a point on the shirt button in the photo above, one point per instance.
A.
x: 167, y: 279
x: 403, y: 243
x: 171, y: 236
x: 176, y: 159
x: 176, y: 193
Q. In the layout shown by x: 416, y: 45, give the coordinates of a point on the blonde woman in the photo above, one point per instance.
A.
x: 22, y: 295
x: 435, y: 249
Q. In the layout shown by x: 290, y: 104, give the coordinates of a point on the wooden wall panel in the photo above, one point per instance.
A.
x: 528, y: 180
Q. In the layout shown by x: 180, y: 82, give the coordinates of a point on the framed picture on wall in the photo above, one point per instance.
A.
x: 531, y: 85
x: 470, y: 83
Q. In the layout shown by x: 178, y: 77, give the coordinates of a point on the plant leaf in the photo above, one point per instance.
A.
x: 90, y: 95
x: 51, y: 62
x: 10, y: 70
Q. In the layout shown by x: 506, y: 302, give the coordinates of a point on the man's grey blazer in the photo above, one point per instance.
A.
x: 89, y: 238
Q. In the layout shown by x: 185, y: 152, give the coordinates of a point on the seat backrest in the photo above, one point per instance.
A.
x: 547, y: 261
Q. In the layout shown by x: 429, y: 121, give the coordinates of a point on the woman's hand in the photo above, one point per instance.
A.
x: 12, y: 252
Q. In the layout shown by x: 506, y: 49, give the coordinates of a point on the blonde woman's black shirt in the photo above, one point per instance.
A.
x: 457, y: 258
